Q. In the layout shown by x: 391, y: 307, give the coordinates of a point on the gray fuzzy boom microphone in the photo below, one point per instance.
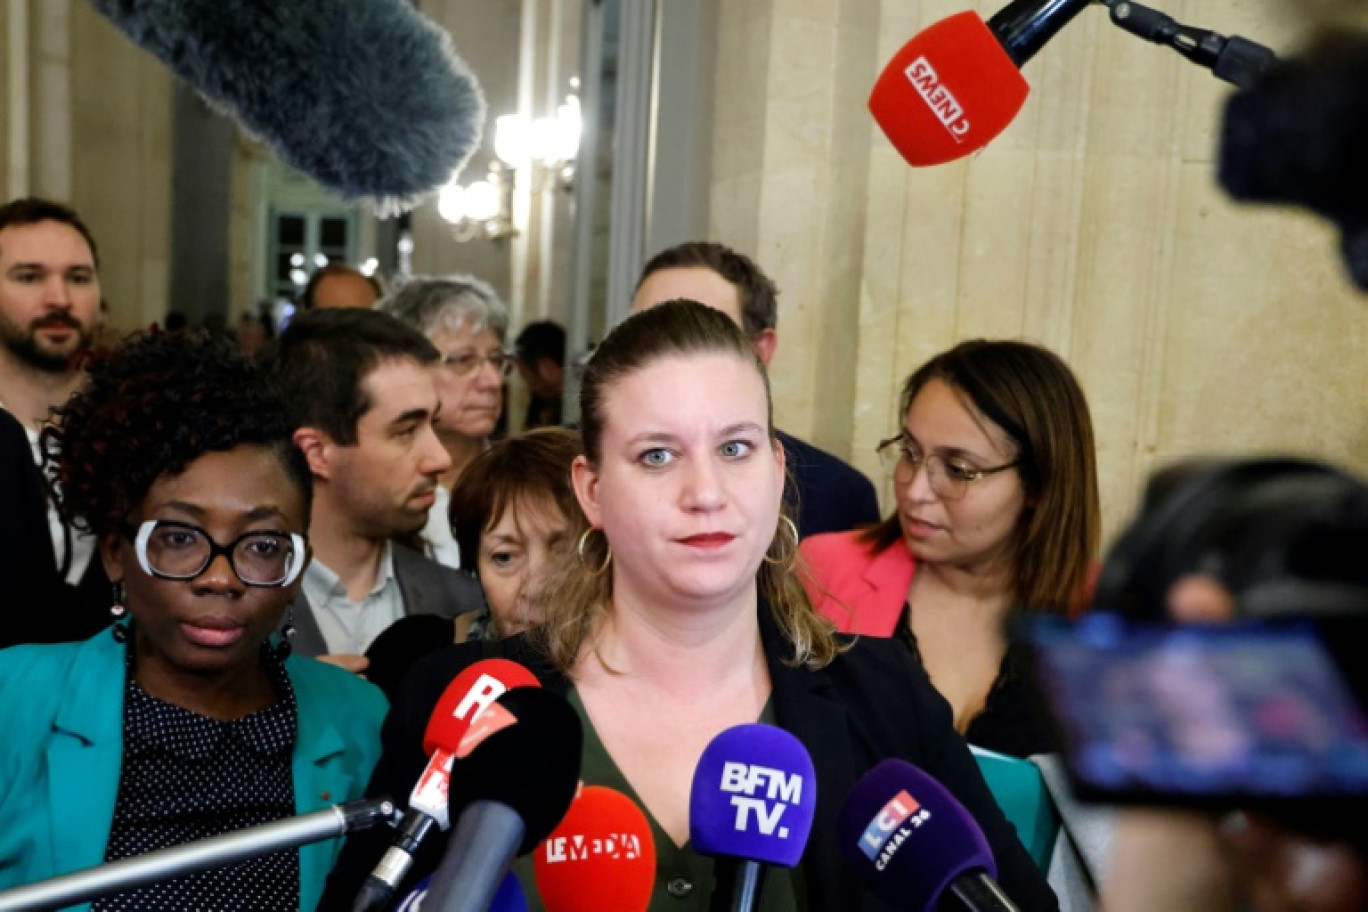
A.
x: 367, y: 97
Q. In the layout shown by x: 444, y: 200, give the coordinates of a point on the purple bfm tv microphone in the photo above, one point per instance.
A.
x: 752, y: 802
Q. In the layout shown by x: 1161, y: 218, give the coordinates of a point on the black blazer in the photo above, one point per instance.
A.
x: 823, y: 493
x: 871, y: 703
x: 38, y: 606
x: 427, y: 587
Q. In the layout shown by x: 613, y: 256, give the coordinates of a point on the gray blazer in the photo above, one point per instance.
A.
x: 427, y: 587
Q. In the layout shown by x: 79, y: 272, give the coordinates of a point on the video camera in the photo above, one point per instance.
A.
x: 1299, y: 135
x: 1267, y: 711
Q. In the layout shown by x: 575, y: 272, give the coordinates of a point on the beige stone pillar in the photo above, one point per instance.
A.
x: 790, y: 165
x: 1093, y: 225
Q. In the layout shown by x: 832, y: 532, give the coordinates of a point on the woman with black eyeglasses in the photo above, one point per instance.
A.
x: 186, y: 718
x: 995, y: 482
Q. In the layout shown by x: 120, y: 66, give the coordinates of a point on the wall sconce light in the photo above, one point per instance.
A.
x: 482, y: 210
x: 546, y: 145
x: 543, y: 149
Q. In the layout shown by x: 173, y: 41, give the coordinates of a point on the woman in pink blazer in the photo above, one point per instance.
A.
x: 995, y: 482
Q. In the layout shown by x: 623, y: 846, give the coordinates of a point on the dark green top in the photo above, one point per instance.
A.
x: 684, y: 879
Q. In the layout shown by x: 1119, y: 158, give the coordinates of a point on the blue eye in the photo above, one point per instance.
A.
x: 736, y: 449
x: 656, y: 458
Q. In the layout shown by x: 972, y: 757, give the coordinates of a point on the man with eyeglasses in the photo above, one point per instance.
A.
x: 365, y: 396
x: 824, y: 493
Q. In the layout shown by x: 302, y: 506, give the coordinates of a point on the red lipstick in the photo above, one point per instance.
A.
x: 708, y: 539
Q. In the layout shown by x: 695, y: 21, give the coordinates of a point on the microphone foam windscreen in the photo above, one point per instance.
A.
x: 908, y: 837
x: 754, y: 795
x: 367, y: 98
x: 470, y: 692
x: 602, y: 856
x: 510, y: 897
x: 531, y: 765
x: 948, y: 93
x: 400, y: 645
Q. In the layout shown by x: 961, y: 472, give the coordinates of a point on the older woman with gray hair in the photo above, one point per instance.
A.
x: 464, y: 318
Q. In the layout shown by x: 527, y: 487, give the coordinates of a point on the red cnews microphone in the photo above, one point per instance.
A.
x: 953, y: 88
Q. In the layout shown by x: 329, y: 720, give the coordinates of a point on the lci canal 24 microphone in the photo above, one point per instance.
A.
x: 913, y: 842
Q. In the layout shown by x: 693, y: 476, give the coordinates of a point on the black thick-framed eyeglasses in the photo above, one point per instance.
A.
x: 181, y: 551
x: 949, y: 480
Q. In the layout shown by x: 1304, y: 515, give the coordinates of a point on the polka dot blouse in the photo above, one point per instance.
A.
x: 187, y: 777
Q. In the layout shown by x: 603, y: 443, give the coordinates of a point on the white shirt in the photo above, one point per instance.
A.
x: 82, y: 543
x: 346, y: 626
x: 440, y: 543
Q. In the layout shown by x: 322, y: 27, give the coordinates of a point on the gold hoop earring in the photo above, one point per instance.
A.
x: 579, y: 551
x: 786, y: 525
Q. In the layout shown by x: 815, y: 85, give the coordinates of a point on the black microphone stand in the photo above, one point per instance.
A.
x: 737, y: 884
x: 978, y: 892
x: 1236, y: 60
x: 178, y: 861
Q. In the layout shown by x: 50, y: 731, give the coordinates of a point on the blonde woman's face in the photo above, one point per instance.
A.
x: 689, y: 484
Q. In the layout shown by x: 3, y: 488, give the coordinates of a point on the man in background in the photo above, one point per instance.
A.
x: 365, y: 397
x: 825, y: 494
x: 49, y: 316
x: 540, y: 349
x: 340, y: 285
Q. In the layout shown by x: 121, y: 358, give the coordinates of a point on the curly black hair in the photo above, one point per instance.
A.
x: 151, y: 407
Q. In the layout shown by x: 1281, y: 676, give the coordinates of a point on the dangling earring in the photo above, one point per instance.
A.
x: 584, y: 562
x: 786, y: 529
x: 287, y: 632
x: 118, y: 611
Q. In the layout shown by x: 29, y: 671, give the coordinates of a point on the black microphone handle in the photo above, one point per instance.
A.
x: 380, y: 884
x: 1024, y: 26
x: 201, y: 855
x: 482, y: 847
x: 980, y: 893
x: 736, y: 884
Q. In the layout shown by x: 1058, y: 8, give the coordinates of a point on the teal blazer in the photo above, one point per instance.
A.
x: 61, y: 750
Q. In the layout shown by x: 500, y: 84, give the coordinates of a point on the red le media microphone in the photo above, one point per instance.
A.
x: 953, y: 88
x: 469, y: 694
x: 601, y: 856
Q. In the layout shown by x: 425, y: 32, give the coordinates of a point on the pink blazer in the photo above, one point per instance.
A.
x: 859, y: 591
